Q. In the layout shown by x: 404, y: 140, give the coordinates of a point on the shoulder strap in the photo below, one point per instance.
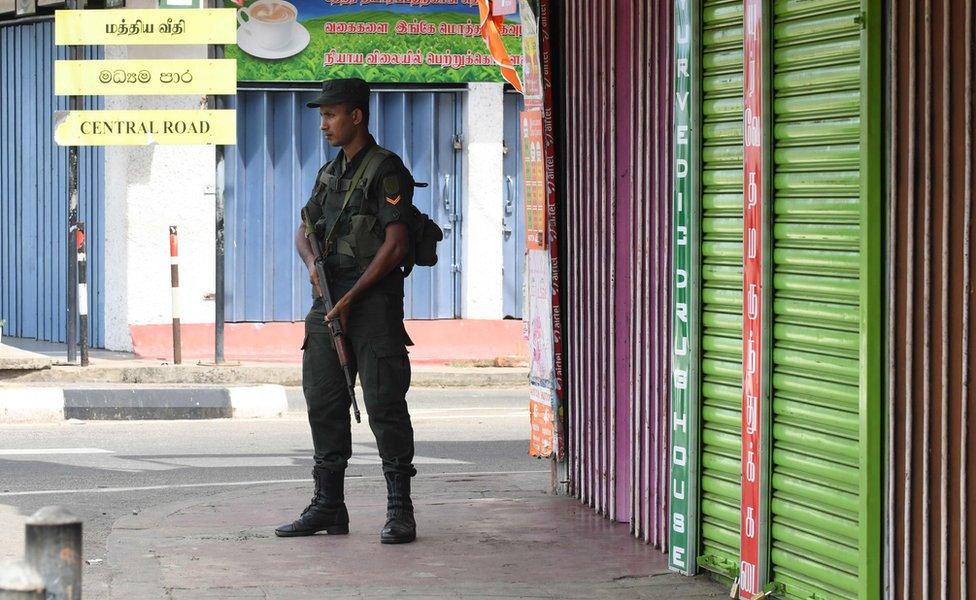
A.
x: 381, y: 155
x: 368, y: 160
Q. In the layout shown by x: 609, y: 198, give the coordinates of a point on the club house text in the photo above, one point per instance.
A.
x: 163, y: 126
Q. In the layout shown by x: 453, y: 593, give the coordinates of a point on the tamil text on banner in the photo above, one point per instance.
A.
x: 379, y: 41
x: 752, y: 309
x: 144, y: 127
x: 144, y: 77
x: 542, y: 420
x: 533, y: 179
x: 131, y: 27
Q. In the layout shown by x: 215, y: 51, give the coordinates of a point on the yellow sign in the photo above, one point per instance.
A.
x: 144, y: 127
x: 124, y: 26
x: 144, y: 77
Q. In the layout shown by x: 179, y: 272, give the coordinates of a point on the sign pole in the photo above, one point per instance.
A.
x: 74, y: 103
x: 216, y: 51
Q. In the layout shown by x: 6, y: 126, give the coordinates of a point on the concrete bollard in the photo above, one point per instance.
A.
x: 20, y: 581
x: 53, y: 548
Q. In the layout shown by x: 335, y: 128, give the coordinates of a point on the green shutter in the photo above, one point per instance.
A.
x: 818, y: 205
x: 721, y: 275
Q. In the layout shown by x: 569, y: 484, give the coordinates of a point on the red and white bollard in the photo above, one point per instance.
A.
x: 82, y: 292
x: 174, y: 270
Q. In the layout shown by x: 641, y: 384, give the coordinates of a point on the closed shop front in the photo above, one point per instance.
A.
x: 34, y: 191
x: 930, y: 529
x: 825, y: 300
x: 613, y: 74
x: 270, y: 175
x: 807, y: 176
x: 720, y: 273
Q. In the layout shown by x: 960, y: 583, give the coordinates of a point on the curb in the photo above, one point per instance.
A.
x: 250, y: 375
x: 52, y: 404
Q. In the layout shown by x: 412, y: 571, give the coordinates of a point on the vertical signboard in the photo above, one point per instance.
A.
x: 752, y: 309
x: 552, y: 224
x: 681, y: 557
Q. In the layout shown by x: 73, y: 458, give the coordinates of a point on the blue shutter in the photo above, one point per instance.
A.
x: 270, y: 175
x: 34, y: 192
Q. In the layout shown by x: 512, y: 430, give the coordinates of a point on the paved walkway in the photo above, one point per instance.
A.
x: 480, y: 536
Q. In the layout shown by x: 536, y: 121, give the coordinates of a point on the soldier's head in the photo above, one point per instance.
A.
x: 344, y: 107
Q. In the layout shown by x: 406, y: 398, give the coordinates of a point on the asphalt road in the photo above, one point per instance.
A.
x: 103, y: 470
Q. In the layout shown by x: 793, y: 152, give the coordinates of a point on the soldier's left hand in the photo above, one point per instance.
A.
x: 339, y: 311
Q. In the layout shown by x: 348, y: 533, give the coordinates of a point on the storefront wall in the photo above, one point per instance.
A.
x: 810, y: 524
x: 931, y: 530
x: 614, y: 151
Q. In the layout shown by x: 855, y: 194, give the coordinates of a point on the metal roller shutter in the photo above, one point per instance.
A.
x: 816, y: 235
x: 721, y: 274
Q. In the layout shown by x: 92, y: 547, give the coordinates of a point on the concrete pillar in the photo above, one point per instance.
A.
x: 147, y: 189
x: 483, y: 195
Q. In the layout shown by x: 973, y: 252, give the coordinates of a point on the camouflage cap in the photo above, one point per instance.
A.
x: 338, y: 91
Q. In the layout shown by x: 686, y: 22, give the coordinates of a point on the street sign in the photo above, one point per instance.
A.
x: 144, y: 127
x: 144, y: 77
x: 132, y: 27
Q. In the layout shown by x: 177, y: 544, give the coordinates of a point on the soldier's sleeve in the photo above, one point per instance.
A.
x: 313, y: 206
x: 393, y: 190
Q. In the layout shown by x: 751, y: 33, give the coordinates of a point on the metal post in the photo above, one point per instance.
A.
x: 82, y: 274
x: 215, y: 51
x: 174, y: 275
x: 20, y: 581
x: 74, y: 103
x: 53, y: 549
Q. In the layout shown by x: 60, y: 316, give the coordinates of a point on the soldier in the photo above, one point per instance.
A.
x: 365, y: 242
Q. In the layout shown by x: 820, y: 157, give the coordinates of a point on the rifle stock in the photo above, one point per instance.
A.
x: 335, y: 327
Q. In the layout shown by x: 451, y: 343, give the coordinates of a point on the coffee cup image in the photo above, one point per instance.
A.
x: 271, y: 23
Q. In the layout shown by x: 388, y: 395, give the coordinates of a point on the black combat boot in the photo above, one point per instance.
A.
x: 327, y: 512
x: 400, y: 527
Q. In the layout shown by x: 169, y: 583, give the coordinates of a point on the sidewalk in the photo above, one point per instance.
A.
x: 479, y: 536
x: 25, y: 362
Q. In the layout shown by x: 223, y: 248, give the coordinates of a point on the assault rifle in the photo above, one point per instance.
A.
x: 335, y: 327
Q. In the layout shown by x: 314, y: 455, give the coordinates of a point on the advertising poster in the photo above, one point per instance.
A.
x: 533, y: 180
x: 392, y: 41
x: 542, y: 438
x: 539, y: 309
x: 531, y: 59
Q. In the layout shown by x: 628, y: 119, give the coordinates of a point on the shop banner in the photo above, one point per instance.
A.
x: 144, y: 127
x: 144, y: 77
x: 752, y: 309
x: 381, y: 41
x: 133, y: 27
x: 533, y: 180
x: 552, y: 224
x: 681, y: 557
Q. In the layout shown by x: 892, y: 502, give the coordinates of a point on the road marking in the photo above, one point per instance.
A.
x: 46, y: 451
x: 149, y: 488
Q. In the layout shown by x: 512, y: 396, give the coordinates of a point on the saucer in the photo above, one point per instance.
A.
x: 247, y: 42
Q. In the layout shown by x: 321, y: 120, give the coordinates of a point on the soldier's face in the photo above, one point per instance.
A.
x: 339, y: 125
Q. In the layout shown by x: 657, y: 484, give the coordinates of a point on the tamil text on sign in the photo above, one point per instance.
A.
x: 145, y: 26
